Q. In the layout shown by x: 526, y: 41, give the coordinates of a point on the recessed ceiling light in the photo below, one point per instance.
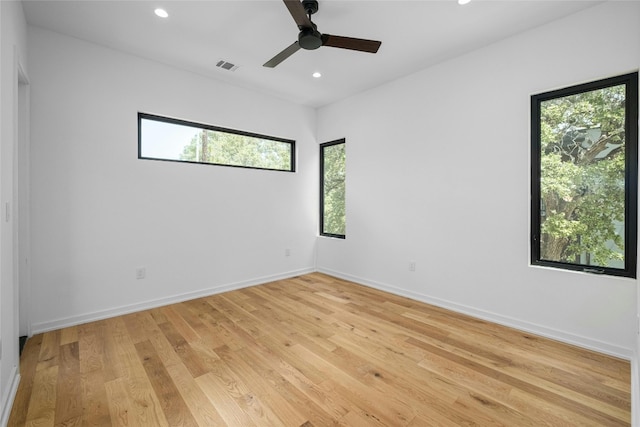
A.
x: 317, y: 75
x: 463, y: 1
x: 161, y: 13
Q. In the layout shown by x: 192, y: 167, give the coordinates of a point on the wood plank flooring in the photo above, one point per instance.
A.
x: 312, y: 351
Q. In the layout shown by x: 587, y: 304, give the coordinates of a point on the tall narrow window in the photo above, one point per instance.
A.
x: 332, y: 189
x: 584, y: 175
x: 163, y: 138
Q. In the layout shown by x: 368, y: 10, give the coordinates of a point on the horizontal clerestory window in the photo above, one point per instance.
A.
x: 163, y: 138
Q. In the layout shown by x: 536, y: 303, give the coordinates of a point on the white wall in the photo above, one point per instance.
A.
x: 438, y: 173
x: 98, y: 212
x: 12, y: 57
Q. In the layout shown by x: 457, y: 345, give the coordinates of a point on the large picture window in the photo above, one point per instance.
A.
x: 332, y: 189
x: 584, y: 175
x: 163, y: 138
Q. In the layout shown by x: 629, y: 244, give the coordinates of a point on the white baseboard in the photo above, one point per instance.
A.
x: 577, y: 340
x: 37, y: 328
x: 10, y: 396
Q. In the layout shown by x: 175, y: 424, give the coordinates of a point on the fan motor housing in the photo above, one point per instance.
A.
x: 309, y: 39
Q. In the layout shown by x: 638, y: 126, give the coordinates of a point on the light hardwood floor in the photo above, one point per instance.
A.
x: 312, y: 351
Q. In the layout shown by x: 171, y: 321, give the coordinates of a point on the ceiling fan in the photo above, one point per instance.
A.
x: 310, y: 38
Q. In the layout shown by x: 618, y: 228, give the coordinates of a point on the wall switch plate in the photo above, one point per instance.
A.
x: 141, y: 273
x: 412, y: 266
x: 287, y: 252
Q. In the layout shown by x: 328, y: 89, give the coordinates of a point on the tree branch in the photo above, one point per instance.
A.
x: 592, y: 152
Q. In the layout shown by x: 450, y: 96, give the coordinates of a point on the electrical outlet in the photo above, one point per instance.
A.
x: 287, y: 252
x: 141, y: 273
x: 412, y: 266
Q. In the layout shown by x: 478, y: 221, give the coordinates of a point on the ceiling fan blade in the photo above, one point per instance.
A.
x: 298, y: 13
x: 361, y: 45
x: 287, y: 52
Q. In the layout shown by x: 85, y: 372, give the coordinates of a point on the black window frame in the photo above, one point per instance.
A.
x: 322, y: 205
x: 158, y: 118
x: 630, y: 81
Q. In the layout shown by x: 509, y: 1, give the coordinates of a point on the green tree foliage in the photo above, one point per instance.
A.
x: 583, y: 177
x: 334, y: 189
x: 238, y: 150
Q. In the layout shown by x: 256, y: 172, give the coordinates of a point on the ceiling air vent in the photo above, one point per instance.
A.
x: 226, y: 65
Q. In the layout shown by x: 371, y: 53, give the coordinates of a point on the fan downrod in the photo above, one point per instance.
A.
x: 310, y: 38
x: 310, y: 6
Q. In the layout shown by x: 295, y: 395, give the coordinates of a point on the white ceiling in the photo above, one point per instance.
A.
x: 414, y: 34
